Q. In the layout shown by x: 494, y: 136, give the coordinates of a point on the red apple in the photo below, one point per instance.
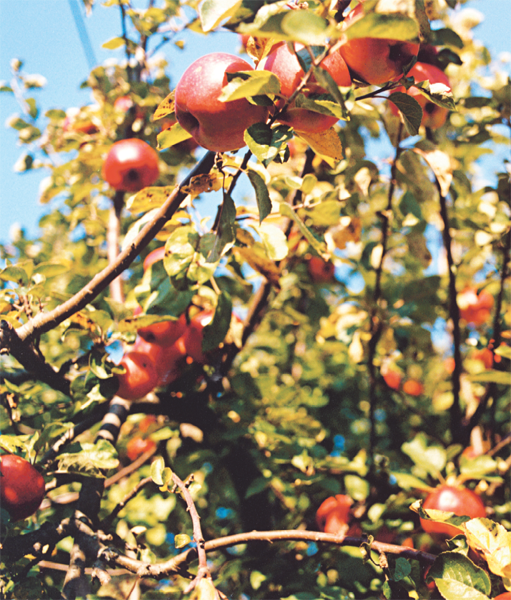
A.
x: 139, y: 378
x: 320, y: 271
x: 164, y: 333
x: 215, y: 125
x: 392, y: 379
x: 504, y: 596
x: 154, y: 256
x: 475, y: 308
x: 459, y: 501
x: 131, y: 165
x: 433, y: 116
x: 413, y: 387
x: 334, y: 514
x: 137, y: 446
x: 375, y: 60
x: 168, y: 360
x: 22, y: 487
x: 284, y: 64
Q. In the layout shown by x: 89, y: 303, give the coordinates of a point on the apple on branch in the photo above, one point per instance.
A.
x: 215, y: 125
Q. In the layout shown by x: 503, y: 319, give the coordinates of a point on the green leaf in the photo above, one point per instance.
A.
x: 402, y: 569
x: 431, y: 459
x: 172, y: 136
x: 256, y: 486
x: 245, y: 84
x: 261, y: 192
x: 457, y: 577
x: 92, y: 460
x: 409, y: 482
x: 181, y: 540
x: 320, y: 105
x: 446, y: 37
x: 387, y: 26
x: 51, y: 269
x: 157, y: 467
x: 410, y: 109
x: 14, y: 274
x: 257, y: 579
x: 438, y: 93
x: 225, y: 234
x: 265, y: 142
x: 114, y: 43
x: 478, y: 467
x: 492, y: 376
x: 288, y: 211
x: 356, y: 487
x: 215, y: 332
x: 212, y: 12
x: 274, y: 241
x: 305, y: 26
x: 504, y: 351
x: 324, y: 214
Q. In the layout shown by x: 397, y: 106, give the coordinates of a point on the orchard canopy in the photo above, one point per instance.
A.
x: 266, y: 316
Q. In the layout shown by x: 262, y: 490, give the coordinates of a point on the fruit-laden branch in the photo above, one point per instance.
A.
x: 44, y: 322
x: 176, y: 564
x: 497, y: 336
x: 454, y: 313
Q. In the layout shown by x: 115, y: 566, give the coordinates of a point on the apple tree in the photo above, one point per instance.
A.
x: 260, y: 347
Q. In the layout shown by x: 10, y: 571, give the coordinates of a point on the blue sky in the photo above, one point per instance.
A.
x: 43, y: 34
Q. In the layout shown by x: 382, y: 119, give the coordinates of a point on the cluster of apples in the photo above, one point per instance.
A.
x: 159, y: 354
x: 162, y: 349
x: 475, y: 308
x: 220, y: 126
x: 334, y: 514
x: 393, y: 379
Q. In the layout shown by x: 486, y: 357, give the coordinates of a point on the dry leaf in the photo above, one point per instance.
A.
x: 166, y: 107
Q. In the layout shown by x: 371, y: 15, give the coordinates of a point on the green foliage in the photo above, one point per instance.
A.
x: 294, y: 405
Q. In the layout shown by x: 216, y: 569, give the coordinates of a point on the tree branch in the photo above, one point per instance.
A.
x: 45, y: 321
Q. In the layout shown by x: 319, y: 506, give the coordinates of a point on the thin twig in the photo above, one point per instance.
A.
x: 197, y: 534
x: 141, y: 484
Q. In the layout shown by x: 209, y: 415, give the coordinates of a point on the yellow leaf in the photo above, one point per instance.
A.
x: 326, y: 143
x: 206, y: 590
x: 494, y: 542
x: 166, y: 107
x: 260, y: 264
x: 206, y: 182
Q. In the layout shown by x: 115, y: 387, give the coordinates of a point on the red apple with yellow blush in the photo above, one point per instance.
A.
x: 215, y: 125
x: 433, y: 116
x: 283, y: 63
x: 375, y: 60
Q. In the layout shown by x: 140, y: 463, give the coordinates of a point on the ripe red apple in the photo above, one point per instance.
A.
x: 131, y: 165
x: 140, y: 377
x: 168, y: 360
x: 138, y: 445
x: 504, y: 596
x: 333, y: 514
x: 375, y: 60
x: 164, y: 333
x: 194, y: 336
x: 475, y: 308
x: 413, y: 387
x: 392, y: 379
x: 433, y: 116
x: 460, y: 501
x: 320, y: 271
x: 284, y: 64
x: 154, y: 256
x: 215, y: 125
x: 21, y: 487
